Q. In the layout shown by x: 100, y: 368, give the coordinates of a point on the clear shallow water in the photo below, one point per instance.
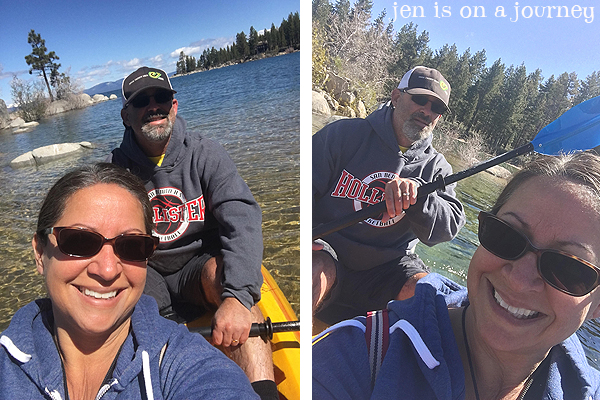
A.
x: 252, y: 109
x: 452, y: 259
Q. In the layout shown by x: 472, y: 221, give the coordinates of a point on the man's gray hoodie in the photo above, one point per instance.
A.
x: 201, y: 204
x: 352, y: 161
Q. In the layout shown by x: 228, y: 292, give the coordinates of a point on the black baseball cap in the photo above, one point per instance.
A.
x: 423, y: 80
x: 142, y: 79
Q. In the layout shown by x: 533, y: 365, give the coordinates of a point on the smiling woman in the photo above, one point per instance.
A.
x: 510, y: 334
x: 96, y: 334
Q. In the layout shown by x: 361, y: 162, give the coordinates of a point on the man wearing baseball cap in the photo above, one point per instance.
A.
x: 208, y: 222
x: 360, y: 162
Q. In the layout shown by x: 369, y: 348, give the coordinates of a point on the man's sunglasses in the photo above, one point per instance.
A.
x: 563, y: 271
x: 422, y: 100
x: 81, y: 242
x: 160, y: 97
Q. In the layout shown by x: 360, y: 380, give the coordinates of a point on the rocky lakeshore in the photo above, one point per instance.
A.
x: 10, y: 122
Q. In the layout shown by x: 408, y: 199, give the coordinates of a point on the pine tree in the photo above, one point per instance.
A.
x: 273, y: 38
x: 181, y: 64
x: 590, y: 87
x: 242, y: 45
x: 253, y: 41
x: 41, y: 61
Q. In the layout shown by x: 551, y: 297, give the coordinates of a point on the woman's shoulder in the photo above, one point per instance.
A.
x: 571, y: 368
x: 195, y: 367
x: 21, y: 328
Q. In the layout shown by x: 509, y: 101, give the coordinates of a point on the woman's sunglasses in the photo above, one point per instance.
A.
x: 81, y: 242
x: 160, y: 97
x: 563, y: 271
x: 422, y: 100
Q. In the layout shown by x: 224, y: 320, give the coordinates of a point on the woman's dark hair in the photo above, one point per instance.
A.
x: 81, y: 178
x: 582, y: 168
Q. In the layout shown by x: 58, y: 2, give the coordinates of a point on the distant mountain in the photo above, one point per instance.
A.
x: 110, y: 86
x: 104, y: 87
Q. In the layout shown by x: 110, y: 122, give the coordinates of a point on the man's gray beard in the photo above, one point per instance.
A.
x: 157, y: 133
x: 414, y: 132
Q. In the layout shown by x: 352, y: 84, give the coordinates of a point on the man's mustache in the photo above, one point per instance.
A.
x: 155, y: 114
x: 420, y: 116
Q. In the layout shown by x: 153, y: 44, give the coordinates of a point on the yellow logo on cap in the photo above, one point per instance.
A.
x: 156, y: 75
x: 443, y: 86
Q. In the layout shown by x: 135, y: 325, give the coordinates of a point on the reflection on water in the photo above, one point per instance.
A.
x: 451, y: 259
x: 251, y: 109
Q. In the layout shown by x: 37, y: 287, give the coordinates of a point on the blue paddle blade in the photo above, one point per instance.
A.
x: 577, y: 129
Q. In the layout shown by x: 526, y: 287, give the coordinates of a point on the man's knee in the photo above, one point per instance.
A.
x: 323, y: 277
x: 211, y: 277
x: 323, y: 265
x: 257, y: 315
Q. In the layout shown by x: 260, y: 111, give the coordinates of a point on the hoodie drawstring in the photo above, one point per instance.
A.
x: 13, y: 350
x: 147, y: 377
x: 417, y: 342
x: 403, y: 325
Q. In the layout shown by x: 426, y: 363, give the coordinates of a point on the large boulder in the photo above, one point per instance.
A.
x: 17, y: 122
x: 336, y: 85
x: 99, y: 97
x: 49, y: 153
x: 57, y: 107
x: 26, y: 127
x: 319, y: 104
x: 86, y: 99
x: 54, y: 151
x: 24, y: 160
x: 320, y: 120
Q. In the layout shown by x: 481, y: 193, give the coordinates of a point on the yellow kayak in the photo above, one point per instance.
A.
x: 285, y: 345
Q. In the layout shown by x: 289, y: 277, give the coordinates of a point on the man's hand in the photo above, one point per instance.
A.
x: 400, y: 193
x: 231, y: 323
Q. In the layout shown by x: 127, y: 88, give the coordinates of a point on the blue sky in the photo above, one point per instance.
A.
x: 554, y: 45
x: 103, y: 41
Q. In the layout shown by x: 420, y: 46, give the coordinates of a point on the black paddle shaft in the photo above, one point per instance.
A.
x: 264, y: 330
x: 325, y: 229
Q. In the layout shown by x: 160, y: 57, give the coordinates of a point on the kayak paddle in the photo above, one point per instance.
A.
x: 577, y: 129
x: 264, y: 330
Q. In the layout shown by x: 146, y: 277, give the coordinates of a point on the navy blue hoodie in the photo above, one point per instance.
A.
x: 352, y: 161
x: 424, y: 362
x: 201, y: 204
x: 159, y: 360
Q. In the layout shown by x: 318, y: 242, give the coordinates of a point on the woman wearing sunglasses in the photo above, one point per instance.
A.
x: 96, y: 336
x: 531, y: 284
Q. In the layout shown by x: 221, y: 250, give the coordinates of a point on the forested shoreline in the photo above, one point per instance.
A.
x: 502, y: 105
x: 246, y: 47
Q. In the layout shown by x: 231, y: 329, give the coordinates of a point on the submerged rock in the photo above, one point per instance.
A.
x: 26, y: 127
x: 49, y: 153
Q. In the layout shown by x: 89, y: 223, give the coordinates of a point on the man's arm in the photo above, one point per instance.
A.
x: 239, y: 218
x: 439, y: 216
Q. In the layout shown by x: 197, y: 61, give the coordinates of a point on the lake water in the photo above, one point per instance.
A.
x: 252, y: 109
x: 452, y: 259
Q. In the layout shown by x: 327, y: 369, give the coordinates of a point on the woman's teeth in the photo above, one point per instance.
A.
x: 520, y: 313
x: 97, y: 295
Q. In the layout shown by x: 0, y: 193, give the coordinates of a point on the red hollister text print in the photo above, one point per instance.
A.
x: 173, y: 213
x: 370, y: 190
